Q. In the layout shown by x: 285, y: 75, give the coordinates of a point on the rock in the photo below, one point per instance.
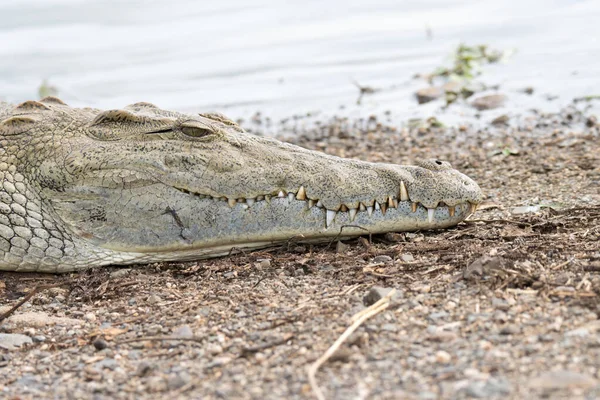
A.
x: 527, y: 90
x: 41, y: 319
x: 442, y: 336
x: 434, y: 316
x: 91, y: 317
x: 120, y: 273
x: 108, y: 363
x: 213, y: 349
x: 443, y: 357
x: 428, y: 94
x: 100, y: 344
x: 562, y: 379
x: 178, y: 381
x: 375, y: 294
x: 591, y: 121
x: 502, y: 120
x: 500, y: 304
x: 510, y: 330
x: 489, y: 102
x: 143, y: 368
x: 183, y: 331
x: 407, y: 257
x: 483, y: 266
x: 39, y: 338
x: 154, y: 329
x: 218, y: 362
x: 341, y: 248
x: 12, y: 341
x: 585, y: 330
x: 382, y: 259
x: 153, y: 299
x: 492, y: 388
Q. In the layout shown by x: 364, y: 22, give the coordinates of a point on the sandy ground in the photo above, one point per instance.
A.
x: 505, y: 305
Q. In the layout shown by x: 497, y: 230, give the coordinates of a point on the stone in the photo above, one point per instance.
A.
x: 100, y: 344
x: 382, y: 259
x: 213, y: 349
x: 183, y: 331
x: 492, y: 388
x: 407, y: 257
x: 443, y: 357
x: 120, y: 273
x: 510, y: 329
x: 375, y: 294
x: 178, y: 381
x: 425, y: 95
x: 562, y: 379
x: 484, y: 266
x: 489, y: 102
x: 41, y: 319
x: 143, y: 368
x: 12, y: 341
x: 153, y: 299
x: 341, y: 248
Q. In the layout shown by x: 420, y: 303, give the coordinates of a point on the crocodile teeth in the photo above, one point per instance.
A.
x: 281, y: 194
x: 319, y: 204
x: 352, y: 213
x: 473, y: 208
x: 311, y: 203
x: 291, y: 196
x: 250, y: 202
x: 370, y: 210
x: 430, y: 214
x: 413, y: 207
x: 403, y: 192
x: 260, y: 198
x: 330, y: 217
x: 301, y: 194
x: 231, y: 202
x: 377, y: 207
x: 268, y: 198
x: 451, y: 210
x: 343, y: 208
x: 391, y: 202
x: 384, y: 208
x: 362, y: 207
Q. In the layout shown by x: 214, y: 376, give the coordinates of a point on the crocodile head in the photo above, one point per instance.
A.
x: 144, y: 184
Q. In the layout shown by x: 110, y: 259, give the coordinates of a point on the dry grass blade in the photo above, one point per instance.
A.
x: 357, y: 320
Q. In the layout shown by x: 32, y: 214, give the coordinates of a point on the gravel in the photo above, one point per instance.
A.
x: 503, y: 306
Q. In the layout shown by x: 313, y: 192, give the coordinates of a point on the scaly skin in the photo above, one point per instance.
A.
x: 85, y: 187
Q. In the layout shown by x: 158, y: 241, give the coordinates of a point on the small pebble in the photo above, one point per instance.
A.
x: 407, y: 257
x: 91, y: 317
x: 143, y: 368
x: 100, y: 344
x: 442, y: 357
x: 382, y: 259
x: 153, y: 299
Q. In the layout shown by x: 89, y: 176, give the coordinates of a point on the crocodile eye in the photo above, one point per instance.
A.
x: 195, y: 131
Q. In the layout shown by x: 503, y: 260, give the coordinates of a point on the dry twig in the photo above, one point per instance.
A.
x: 29, y: 295
x: 357, y: 320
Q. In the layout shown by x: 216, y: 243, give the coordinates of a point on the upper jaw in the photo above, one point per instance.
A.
x: 366, y: 187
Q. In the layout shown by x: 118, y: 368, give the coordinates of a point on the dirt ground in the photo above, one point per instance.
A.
x: 505, y: 305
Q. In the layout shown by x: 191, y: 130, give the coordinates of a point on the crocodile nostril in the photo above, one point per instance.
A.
x: 438, y: 162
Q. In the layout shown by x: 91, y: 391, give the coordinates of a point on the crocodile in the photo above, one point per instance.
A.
x: 83, y: 187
